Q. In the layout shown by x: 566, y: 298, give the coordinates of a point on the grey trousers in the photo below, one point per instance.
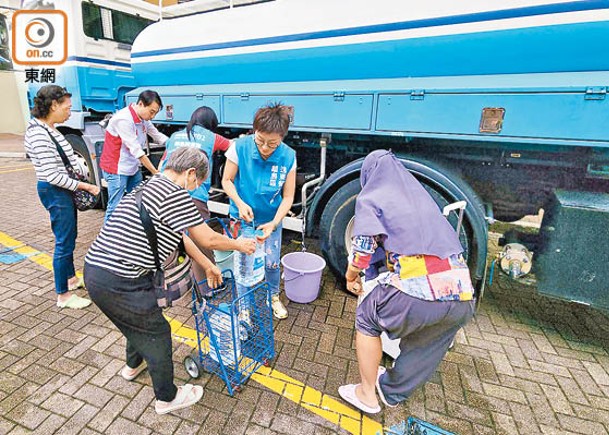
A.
x: 426, y: 329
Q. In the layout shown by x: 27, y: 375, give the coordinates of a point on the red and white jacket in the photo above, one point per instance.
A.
x: 125, y: 141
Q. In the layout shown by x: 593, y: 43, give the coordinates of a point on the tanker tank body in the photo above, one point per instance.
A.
x: 495, y: 103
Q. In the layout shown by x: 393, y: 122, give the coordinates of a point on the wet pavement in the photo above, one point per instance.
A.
x: 526, y: 364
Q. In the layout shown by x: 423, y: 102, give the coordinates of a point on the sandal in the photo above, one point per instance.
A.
x: 139, y: 369
x: 381, y: 372
x: 347, y: 392
x: 75, y: 302
x: 186, y: 396
x: 79, y: 284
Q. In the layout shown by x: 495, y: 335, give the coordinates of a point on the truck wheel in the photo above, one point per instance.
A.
x: 337, y: 223
x: 84, y: 160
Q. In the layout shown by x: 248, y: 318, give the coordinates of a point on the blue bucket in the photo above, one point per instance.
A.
x: 302, y: 276
x: 224, y: 259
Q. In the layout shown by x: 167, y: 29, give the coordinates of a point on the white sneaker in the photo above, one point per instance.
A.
x: 279, y: 310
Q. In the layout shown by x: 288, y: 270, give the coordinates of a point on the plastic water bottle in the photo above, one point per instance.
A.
x: 225, y: 332
x: 249, y: 269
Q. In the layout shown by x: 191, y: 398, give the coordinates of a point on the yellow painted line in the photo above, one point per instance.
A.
x: 309, y: 398
x: 14, y: 167
x: 16, y: 170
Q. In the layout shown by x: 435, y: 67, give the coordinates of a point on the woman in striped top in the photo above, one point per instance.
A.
x: 52, y: 106
x: 119, y: 269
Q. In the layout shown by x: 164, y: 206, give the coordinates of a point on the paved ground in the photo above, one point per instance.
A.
x: 525, y: 365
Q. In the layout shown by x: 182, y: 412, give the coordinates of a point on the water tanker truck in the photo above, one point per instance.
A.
x: 502, y: 105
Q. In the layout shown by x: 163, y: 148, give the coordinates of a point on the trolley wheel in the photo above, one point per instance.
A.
x: 193, y: 367
x: 237, y: 388
x: 266, y: 362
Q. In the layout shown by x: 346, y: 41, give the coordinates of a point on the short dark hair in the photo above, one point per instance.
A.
x: 148, y: 97
x: 203, y: 116
x: 44, y: 99
x: 274, y: 118
x: 184, y: 158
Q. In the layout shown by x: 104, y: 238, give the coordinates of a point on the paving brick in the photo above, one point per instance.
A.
x: 542, y: 409
x: 578, y: 425
x: 524, y: 418
x: 51, y: 425
x: 458, y: 426
x: 505, y: 424
x: 505, y: 393
x: 597, y: 372
x: 76, y: 383
x: 585, y: 381
x: 28, y: 415
x: 107, y: 372
x: 214, y: 423
x: 139, y: 403
x: 61, y: 404
x: 520, y: 384
x: 534, y: 376
x: 434, y: 398
x: 10, y: 382
x: 549, y: 368
x: 502, y: 363
x: 486, y: 371
x: 16, y: 397
x: 122, y: 426
x: 162, y: 424
x: 285, y: 424
x: 108, y: 413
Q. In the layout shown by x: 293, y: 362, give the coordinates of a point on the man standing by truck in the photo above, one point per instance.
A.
x: 123, y: 153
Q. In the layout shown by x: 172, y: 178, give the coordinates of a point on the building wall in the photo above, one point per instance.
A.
x: 15, y: 111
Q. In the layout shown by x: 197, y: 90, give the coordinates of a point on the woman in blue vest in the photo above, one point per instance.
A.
x: 260, y: 179
x: 199, y: 133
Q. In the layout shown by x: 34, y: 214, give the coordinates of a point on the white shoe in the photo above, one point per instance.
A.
x: 186, y: 396
x: 279, y: 310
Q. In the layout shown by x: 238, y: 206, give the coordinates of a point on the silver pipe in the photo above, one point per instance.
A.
x: 323, y: 143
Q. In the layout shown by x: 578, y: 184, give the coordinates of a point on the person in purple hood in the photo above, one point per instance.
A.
x: 423, y: 292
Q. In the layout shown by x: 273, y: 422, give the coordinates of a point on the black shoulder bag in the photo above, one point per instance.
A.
x: 175, y: 278
x: 82, y: 199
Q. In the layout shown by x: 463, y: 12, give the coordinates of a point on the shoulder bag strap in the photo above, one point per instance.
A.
x: 148, y: 227
x: 60, y: 150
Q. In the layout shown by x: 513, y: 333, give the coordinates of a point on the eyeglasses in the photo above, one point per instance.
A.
x: 273, y: 145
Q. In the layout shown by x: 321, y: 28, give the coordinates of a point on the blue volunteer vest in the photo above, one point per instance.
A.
x: 202, y: 139
x: 260, y: 182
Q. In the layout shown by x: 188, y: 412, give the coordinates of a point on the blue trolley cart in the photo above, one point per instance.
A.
x: 234, y: 333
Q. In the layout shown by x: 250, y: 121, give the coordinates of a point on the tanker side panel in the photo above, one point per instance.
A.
x: 311, y: 44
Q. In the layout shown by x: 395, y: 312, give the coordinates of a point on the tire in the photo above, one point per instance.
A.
x: 193, y: 367
x: 84, y: 159
x: 337, y: 220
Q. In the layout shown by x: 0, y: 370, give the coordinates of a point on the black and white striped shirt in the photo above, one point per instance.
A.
x: 122, y: 246
x: 45, y: 157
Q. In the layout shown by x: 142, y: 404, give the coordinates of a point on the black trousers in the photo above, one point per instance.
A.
x: 131, y: 305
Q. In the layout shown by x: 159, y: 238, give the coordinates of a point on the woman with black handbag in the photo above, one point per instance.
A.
x: 121, y: 268
x: 48, y: 149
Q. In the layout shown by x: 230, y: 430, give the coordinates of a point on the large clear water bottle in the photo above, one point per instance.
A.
x: 249, y: 269
x: 225, y: 330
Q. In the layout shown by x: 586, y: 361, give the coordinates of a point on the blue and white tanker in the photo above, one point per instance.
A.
x: 501, y: 104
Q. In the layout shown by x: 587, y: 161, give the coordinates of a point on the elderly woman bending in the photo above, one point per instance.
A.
x: 423, y: 291
x: 119, y: 268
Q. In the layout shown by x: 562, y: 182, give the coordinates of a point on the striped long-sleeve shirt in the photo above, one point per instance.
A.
x: 45, y: 157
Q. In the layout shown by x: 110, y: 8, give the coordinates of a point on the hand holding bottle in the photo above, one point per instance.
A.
x: 247, y: 246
